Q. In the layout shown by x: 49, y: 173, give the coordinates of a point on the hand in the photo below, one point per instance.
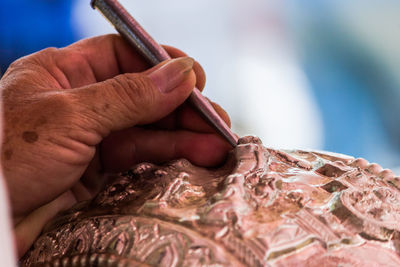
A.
x: 63, y: 106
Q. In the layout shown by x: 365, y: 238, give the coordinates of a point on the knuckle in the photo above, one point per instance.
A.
x: 17, y: 63
x: 135, y: 90
x: 71, y: 57
x: 49, y: 51
x: 35, y: 58
x: 113, y: 37
x: 45, y: 55
x: 62, y: 103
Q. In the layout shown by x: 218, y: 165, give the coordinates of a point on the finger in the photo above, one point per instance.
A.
x: 186, y: 117
x: 121, y: 150
x: 198, y: 69
x: 132, y: 99
x: 100, y: 58
x: 31, y: 226
x: 191, y: 119
x: 174, y: 52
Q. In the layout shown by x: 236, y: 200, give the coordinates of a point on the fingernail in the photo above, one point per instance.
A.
x: 172, y: 73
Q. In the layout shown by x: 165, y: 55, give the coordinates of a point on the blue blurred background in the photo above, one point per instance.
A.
x: 28, y: 26
x: 299, y: 74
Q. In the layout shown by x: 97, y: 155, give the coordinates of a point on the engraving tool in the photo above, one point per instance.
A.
x: 131, y: 30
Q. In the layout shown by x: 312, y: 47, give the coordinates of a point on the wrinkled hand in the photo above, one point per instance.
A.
x: 62, y: 106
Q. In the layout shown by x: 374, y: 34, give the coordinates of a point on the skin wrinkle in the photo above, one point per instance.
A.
x: 141, y: 92
x: 99, y: 122
x: 78, y: 71
x: 82, y: 129
x: 66, y: 79
x: 62, y: 81
x: 98, y: 126
x: 85, y: 136
x: 91, y: 68
x: 72, y: 145
x: 147, y: 96
x: 79, y: 59
x: 86, y: 118
x: 12, y: 80
x: 30, y: 136
x: 56, y: 77
x: 128, y: 89
x: 61, y: 85
x: 136, y: 88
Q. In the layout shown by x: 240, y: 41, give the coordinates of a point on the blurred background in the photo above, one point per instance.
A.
x: 299, y: 74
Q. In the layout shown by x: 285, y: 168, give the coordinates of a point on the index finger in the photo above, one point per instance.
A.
x: 110, y: 55
x: 107, y: 56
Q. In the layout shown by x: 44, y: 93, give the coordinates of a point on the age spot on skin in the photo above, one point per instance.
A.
x: 30, y: 137
x: 8, y: 154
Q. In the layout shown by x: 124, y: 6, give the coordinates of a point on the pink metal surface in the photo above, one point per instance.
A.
x: 264, y: 207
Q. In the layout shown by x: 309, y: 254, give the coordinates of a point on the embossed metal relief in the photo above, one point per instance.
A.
x: 264, y: 207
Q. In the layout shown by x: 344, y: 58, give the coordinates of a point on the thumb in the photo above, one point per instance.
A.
x: 135, y: 98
